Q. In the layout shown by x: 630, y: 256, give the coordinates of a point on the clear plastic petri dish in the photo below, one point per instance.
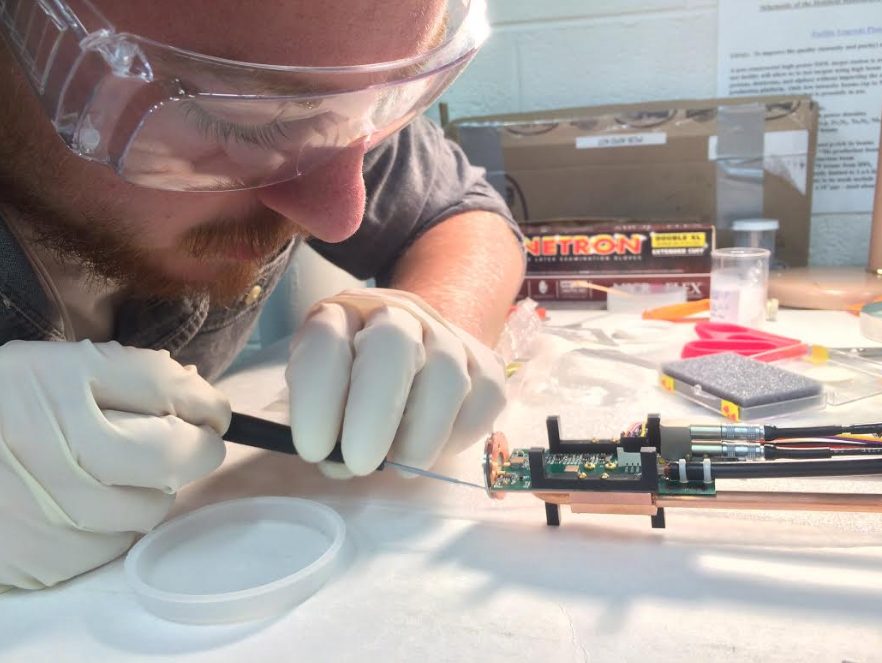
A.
x: 237, y: 560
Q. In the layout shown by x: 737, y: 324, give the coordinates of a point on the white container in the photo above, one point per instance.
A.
x: 238, y: 560
x: 756, y: 234
x: 639, y: 297
x: 739, y: 285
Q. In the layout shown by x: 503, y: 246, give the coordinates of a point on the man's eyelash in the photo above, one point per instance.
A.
x: 222, y: 131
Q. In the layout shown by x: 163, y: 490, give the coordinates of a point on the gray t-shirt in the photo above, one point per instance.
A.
x: 414, y: 180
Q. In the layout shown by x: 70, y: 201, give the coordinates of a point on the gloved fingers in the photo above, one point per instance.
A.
x: 36, y: 554
x: 487, y: 396
x: 151, y: 382
x: 104, y: 509
x: 336, y: 471
x: 164, y: 453
x: 318, y: 379
x: 65, y: 495
x: 388, y: 354
x: 435, y: 400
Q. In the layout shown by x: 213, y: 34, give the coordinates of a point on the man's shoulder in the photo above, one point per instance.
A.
x: 421, y: 137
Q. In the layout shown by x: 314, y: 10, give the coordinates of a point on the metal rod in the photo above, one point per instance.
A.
x: 770, y: 501
x: 433, y: 475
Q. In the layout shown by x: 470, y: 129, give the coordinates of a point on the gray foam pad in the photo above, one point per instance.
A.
x: 741, y: 380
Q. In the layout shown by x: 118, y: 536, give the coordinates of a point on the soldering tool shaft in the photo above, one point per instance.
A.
x: 273, y: 436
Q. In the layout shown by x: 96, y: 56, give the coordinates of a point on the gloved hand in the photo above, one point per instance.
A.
x: 386, y: 371
x: 94, y: 441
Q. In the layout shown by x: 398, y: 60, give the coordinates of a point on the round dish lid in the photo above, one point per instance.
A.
x: 237, y: 560
x: 755, y: 224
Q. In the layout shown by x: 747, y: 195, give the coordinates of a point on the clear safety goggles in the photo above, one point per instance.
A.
x: 167, y: 118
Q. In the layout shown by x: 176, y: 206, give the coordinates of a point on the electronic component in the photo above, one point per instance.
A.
x: 495, y: 458
x: 651, y: 467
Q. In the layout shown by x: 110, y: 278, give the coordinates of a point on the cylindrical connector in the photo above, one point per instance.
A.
x: 726, y: 433
x: 729, y: 450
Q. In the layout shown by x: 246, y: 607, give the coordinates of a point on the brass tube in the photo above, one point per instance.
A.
x: 770, y: 501
x: 623, y: 502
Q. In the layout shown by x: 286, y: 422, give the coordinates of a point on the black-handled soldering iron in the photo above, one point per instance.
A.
x: 269, y: 435
x: 273, y: 436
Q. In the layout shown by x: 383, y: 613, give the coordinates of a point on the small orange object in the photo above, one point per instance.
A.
x: 678, y: 312
x: 855, y: 309
x: 729, y: 410
x: 496, y: 455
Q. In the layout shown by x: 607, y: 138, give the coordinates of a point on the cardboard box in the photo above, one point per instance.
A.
x: 716, y: 159
x: 564, y: 255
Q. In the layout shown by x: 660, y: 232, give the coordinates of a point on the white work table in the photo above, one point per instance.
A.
x: 442, y: 573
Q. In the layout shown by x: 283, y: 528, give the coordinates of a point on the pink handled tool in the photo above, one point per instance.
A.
x: 717, y: 337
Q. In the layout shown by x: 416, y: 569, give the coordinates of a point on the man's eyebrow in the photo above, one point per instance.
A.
x: 305, y: 87
x: 222, y: 80
x: 439, y: 34
x: 260, y: 82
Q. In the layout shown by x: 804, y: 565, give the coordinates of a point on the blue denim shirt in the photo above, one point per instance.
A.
x: 414, y: 180
x: 188, y: 328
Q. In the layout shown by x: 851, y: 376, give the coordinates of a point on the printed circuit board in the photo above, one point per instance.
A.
x: 620, y: 468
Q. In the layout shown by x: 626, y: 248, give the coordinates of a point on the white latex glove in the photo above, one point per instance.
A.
x: 386, y: 372
x: 94, y: 441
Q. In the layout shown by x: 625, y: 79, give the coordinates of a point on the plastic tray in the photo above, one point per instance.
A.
x: 237, y: 560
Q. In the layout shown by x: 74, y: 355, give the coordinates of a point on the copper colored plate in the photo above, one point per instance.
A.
x: 495, y: 454
x: 771, y: 501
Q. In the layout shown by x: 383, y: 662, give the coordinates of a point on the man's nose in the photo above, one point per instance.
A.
x: 328, y: 202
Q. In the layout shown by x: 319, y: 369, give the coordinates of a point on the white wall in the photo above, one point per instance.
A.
x: 559, y: 53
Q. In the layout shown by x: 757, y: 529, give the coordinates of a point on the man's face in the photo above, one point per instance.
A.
x: 168, y: 243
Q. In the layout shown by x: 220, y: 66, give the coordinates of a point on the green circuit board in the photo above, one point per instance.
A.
x: 514, y: 474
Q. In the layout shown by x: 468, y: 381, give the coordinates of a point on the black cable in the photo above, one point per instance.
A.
x: 808, y: 468
x: 774, y: 451
x: 858, y: 451
x: 833, y: 441
x: 775, y: 433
